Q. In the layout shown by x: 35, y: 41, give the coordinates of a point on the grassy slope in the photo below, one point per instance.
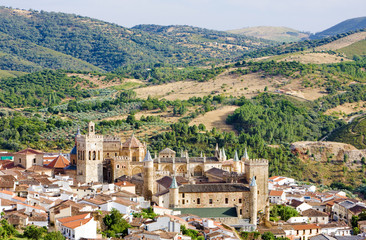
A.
x: 279, y: 34
x: 357, y: 48
x: 353, y: 133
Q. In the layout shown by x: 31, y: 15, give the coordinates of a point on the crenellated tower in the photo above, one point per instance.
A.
x: 89, y: 162
x: 258, y: 168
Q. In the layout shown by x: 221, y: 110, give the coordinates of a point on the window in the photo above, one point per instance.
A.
x: 34, y: 160
x: 183, y: 201
x: 117, y: 166
x: 241, y: 211
x: 239, y: 200
x: 182, y: 195
x: 198, y: 201
x: 20, y: 160
x: 210, y: 201
x: 226, y: 200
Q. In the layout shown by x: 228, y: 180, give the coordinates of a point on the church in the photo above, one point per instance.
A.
x: 206, y: 181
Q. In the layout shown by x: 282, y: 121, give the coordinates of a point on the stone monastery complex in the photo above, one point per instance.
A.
x: 105, y: 159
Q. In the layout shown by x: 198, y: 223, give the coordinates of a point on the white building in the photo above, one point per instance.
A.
x: 79, y: 226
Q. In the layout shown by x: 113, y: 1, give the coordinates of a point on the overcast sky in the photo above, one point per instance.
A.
x: 304, y: 15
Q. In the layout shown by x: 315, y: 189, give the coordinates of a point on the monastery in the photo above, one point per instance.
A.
x: 210, y: 182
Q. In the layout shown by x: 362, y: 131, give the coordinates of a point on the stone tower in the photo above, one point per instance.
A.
x: 148, y: 174
x: 253, y: 201
x: 258, y: 168
x: 173, y: 194
x: 89, y: 162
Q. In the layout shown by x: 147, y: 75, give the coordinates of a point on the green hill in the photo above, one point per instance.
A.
x: 279, y: 34
x: 109, y: 46
x: 357, y: 48
x: 353, y: 133
x: 343, y: 27
x: 23, y: 55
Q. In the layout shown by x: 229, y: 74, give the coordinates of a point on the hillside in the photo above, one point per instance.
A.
x: 342, y: 42
x: 278, y: 34
x: 353, y: 133
x: 342, y: 27
x: 109, y: 46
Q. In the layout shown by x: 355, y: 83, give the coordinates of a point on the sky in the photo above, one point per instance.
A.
x: 304, y: 15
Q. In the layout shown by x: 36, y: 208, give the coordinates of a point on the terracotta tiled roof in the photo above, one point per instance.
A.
x: 6, y: 202
x: 273, y: 178
x: 124, y: 183
x: 29, y: 151
x: 20, y: 199
x: 314, y: 213
x: 73, y: 218
x: 78, y: 223
x: 305, y: 226
x: 36, y: 168
x: 132, y: 142
x: 59, y: 162
x: 6, y: 184
x: 7, y: 192
x: 275, y: 193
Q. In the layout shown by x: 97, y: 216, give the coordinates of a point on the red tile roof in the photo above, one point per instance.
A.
x: 29, y: 151
x: 59, y: 162
x: 275, y: 193
x: 77, y: 223
x: 124, y: 183
x: 7, y: 192
x: 305, y: 226
x: 73, y: 218
x: 132, y: 142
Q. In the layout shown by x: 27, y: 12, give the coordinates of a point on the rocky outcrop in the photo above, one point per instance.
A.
x: 322, y: 151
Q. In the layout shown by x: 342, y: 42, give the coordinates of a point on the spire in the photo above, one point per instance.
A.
x: 253, y: 183
x: 223, y: 154
x: 246, y: 156
x: 174, y: 183
x: 236, y: 158
x: 78, y: 131
x: 201, y: 154
x: 148, y: 157
x: 217, y: 147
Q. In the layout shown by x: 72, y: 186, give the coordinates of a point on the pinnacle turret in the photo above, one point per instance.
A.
x: 174, y: 183
x: 246, y: 156
x: 148, y: 157
x: 253, y: 182
x: 236, y: 158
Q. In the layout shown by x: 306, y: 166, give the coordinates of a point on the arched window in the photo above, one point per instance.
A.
x: 197, y: 171
x: 94, y: 155
x: 89, y: 155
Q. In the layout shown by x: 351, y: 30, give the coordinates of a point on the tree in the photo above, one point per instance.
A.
x: 284, y: 212
x: 33, y: 232
x: 356, y: 231
x: 268, y: 236
x: 54, y: 236
x: 116, y: 225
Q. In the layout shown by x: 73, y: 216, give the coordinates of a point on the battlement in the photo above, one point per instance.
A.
x: 111, y: 139
x: 121, y: 158
x: 256, y: 162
